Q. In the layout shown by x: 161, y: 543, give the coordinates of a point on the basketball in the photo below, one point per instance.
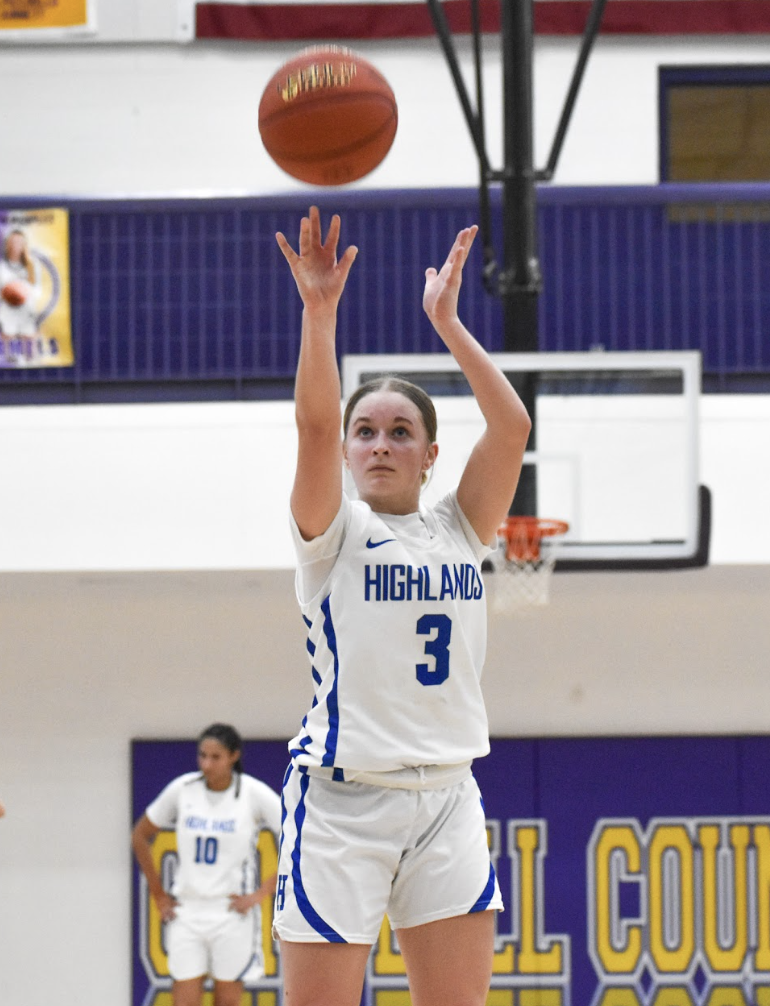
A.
x: 14, y: 293
x: 327, y: 116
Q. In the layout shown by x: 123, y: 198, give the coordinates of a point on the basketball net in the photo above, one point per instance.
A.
x: 522, y: 564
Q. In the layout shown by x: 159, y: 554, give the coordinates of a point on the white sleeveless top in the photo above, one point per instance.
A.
x: 216, y: 832
x: 397, y: 628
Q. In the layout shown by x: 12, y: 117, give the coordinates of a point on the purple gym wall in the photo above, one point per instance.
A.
x: 635, y: 871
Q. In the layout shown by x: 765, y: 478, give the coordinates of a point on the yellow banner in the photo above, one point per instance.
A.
x: 29, y: 16
x: 35, y: 327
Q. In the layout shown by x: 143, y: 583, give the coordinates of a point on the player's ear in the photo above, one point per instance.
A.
x: 428, y: 462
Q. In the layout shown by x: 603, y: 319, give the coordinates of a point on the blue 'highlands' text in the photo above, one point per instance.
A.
x: 399, y: 582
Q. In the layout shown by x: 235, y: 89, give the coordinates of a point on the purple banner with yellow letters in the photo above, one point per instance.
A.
x: 635, y: 872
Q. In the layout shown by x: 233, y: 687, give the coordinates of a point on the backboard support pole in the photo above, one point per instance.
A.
x: 519, y: 282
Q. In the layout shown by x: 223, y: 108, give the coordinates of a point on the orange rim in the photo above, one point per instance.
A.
x: 524, y: 534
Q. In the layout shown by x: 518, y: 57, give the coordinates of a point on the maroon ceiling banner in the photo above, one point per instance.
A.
x: 297, y: 20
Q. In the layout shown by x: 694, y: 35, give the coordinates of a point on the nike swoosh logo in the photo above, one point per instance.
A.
x: 376, y: 544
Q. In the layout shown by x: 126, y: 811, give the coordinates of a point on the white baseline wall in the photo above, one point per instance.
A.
x: 156, y: 118
x: 206, y: 486
x: 105, y: 649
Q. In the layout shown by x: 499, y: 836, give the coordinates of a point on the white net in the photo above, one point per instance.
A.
x: 522, y: 565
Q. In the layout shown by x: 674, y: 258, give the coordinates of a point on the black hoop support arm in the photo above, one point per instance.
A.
x: 474, y: 121
x: 590, y: 32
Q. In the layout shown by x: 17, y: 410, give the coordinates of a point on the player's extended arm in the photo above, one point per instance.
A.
x: 320, y: 279
x: 491, y: 474
x: 142, y: 838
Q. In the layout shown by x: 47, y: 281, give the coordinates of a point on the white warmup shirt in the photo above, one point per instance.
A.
x: 396, y: 618
x: 216, y: 832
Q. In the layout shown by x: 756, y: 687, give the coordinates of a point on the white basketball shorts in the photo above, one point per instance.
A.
x: 352, y: 852
x: 207, y: 938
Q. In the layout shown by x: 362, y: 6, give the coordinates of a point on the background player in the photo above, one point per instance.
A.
x: 382, y: 813
x: 212, y: 912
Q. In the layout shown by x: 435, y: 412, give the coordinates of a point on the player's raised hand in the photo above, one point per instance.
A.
x: 442, y: 287
x: 319, y: 276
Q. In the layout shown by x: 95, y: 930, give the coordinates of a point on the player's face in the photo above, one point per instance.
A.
x: 387, y: 451
x: 216, y: 763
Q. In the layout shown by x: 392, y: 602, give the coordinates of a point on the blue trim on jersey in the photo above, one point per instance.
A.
x: 331, y: 699
x: 300, y: 749
x: 486, y: 895
x: 303, y: 902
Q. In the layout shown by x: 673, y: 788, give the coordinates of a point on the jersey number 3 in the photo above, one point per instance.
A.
x: 438, y: 648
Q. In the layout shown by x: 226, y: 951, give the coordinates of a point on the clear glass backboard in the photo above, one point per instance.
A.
x: 616, y: 446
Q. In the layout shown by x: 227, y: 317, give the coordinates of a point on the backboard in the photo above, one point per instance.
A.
x: 616, y: 447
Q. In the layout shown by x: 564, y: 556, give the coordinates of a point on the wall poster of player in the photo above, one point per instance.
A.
x: 635, y: 872
x: 35, y: 325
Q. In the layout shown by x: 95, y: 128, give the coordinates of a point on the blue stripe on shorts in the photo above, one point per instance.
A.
x: 288, y: 772
x: 310, y: 914
x: 486, y: 895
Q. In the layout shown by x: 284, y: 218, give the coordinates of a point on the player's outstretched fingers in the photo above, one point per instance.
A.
x: 347, y: 261
x: 464, y: 241
x: 470, y: 237
x: 305, y: 234
x: 333, y: 235
x: 288, y: 252
x: 315, y: 225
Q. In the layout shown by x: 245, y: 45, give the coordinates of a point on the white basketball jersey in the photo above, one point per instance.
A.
x: 397, y: 640
x: 216, y: 832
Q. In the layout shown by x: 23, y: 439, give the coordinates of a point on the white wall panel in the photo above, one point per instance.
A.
x: 206, y: 486
x: 164, y: 118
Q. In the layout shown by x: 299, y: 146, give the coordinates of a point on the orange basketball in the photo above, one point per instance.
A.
x: 14, y: 293
x: 327, y: 116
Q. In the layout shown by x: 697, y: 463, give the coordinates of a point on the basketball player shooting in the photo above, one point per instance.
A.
x: 382, y: 812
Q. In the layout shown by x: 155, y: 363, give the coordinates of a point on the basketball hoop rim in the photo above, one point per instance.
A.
x: 523, y: 535
x: 543, y: 527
